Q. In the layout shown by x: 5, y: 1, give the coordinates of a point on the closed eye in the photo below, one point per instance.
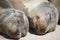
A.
x: 18, y: 22
x: 37, y: 17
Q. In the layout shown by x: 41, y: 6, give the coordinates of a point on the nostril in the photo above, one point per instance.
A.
x: 36, y: 28
x: 42, y: 30
x: 17, y: 33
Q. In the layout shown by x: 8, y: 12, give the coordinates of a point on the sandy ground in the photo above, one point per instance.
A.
x: 49, y: 36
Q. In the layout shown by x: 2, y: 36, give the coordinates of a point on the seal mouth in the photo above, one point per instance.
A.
x: 40, y: 29
x: 17, y: 38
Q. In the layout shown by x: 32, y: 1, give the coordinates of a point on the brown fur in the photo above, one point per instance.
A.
x: 17, y: 4
x: 44, y: 20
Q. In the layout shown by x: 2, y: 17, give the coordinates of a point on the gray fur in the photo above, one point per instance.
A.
x: 44, y: 18
x: 5, y: 4
x: 13, y: 23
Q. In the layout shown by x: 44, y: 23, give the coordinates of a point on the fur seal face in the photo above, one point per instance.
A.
x: 44, y: 20
x: 40, y: 25
x: 13, y: 23
x: 39, y: 22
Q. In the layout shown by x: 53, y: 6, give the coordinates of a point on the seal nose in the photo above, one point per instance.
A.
x: 16, y: 35
x: 42, y: 30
